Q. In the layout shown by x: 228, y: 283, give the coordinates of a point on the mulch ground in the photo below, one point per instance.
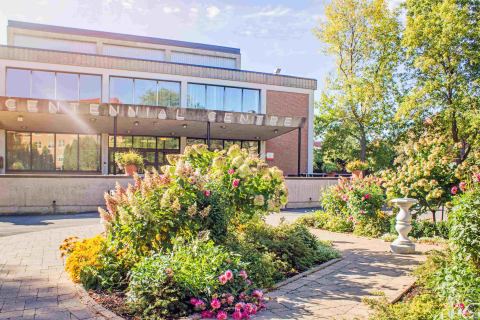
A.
x: 113, y: 301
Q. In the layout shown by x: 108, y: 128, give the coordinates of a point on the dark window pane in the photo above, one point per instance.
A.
x: 168, y: 94
x: 233, y: 99
x: 251, y: 146
x: 90, y: 88
x: 144, y: 142
x: 110, y: 141
x: 43, y: 85
x: 172, y: 143
x: 191, y: 142
x: 18, y: 83
x: 161, y: 158
x: 196, y: 96
x: 89, y: 153
x: 18, y: 151
x: 216, y: 144
x: 67, y: 86
x: 43, y: 151
x: 215, y: 97
x: 121, y: 90
x: 145, y: 92
x: 251, y: 101
x: 150, y: 157
x: 229, y: 143
x: 161, y: 142
x: 67, y: 152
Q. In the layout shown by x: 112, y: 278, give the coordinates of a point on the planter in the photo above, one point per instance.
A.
x: 356, y: 172
x: 130, y: 169
x: 331, y: 174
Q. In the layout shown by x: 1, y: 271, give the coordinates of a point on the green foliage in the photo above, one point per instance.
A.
x: 130, y: 157
x: 331, y: 167
x: 465, y: 224
x: 428, y: 228
x: 357, y: 165
x: 359, y: 99
x: 163, y: 284
x: 274, y: 252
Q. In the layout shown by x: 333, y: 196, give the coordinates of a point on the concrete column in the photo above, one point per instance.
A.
x: 104, y: 153
x: 183, y: 94
x: 263, y: 150
x: 106, y: 87
x: 263, y: 101
x: 168, y: 55
x: 183, y: 144
x: 3, y: 151
x: 311, y: 104
x: 403, y: 245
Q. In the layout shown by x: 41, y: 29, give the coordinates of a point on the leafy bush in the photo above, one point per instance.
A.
x: 428, y: 228
x: 331, y: 167
x: 272, y: 252
x: 163, y: 285
x: 465, y: 224
x: 356, y: 165
x: 200, y: 190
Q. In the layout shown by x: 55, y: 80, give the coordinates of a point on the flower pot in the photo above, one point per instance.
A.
x: 356, y: 172
x: 130, y: 169
x: 331, y: 174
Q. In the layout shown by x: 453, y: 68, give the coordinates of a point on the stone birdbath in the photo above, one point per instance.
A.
x: 403, y: 245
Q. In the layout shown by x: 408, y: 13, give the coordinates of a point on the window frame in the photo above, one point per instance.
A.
x: 54, y: 71
x: 54, y: 153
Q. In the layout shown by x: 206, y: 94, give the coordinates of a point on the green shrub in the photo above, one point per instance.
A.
x: 274, y: 252
x: 162, y: 285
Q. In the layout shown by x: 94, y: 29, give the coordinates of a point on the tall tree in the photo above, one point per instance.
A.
x: 442, y: 42
x: 359, y: 99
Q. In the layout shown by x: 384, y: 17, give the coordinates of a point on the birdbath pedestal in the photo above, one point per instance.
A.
x: 403, y: 245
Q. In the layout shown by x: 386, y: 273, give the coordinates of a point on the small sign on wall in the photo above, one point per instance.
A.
x: 269, y: 155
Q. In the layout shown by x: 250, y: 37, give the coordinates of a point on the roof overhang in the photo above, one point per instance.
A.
x: 86, y: 117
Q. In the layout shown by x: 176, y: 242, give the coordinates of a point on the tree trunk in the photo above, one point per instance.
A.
x: 434, y: 216
x: 363, y: 145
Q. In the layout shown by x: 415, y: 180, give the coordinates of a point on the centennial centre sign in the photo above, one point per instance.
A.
x: 145, y: 112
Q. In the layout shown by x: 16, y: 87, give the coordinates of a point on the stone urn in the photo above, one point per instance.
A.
x: 130, y: 169
x: 403, y: 245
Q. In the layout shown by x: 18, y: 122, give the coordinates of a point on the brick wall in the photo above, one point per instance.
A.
x: 285, y: 147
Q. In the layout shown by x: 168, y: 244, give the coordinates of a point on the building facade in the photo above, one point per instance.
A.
x: 70, y: 98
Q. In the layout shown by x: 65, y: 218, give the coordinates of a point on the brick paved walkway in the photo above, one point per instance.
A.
x: 34, y: 285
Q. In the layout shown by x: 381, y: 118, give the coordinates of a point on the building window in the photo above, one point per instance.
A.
x: 53, y: 85
x: 144, y: 92
x: 153, y: 150
x: 209, y: 97
x: 37, y: 151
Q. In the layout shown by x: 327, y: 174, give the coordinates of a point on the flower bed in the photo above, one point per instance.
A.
x: 194, y: 239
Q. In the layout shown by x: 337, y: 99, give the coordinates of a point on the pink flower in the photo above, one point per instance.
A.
x: 193, y: 301
x: 231, y: 171
x: 245, y: 315
x: 223, y: 278
x: 200, y: 304
x: 229, y: 274
x: 350, y: 219
x: 170, y: 274
x: 235, y: 182
x: 465, y: 313
x: 206, y: 192
x: 462, y: 186
x: 215, y: 304
x: 454, y: 190
x: 262, y: 305
x: 207, y: 314
x: 351, y: 188
x: 191, y: 180
x: 208, y: 169
x: 367, y: 196
x: 361, y: 211
x: 345, y: 198
x: 169, y: 270
x: 243, y: 274
x: 355, y: 223
x: 237, y: 315
x: 362, y: 185
x: 257, y: 293
x: 230, y: 299
x: 239, y: 306
x: 248, y: 281
x: 461, y: 306
x: 249, y: 307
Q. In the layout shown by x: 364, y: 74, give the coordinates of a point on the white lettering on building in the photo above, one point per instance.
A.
x: 52, y: 108
x: 32, y: 106
x: 288, y: 122
x: 212, y: 116
x: 94, y: 109
x: 131, y: 112
x: 178, y: 115
x: 244, y: 119
x: 112, y: 112
x: 162, y: 114
x: 11, y: 105
x: 228, y: 118
x: 74, y: 106
x: 259, y: 120
x: 273, y: 121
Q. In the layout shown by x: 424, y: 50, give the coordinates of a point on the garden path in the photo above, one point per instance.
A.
x: 34, y: 285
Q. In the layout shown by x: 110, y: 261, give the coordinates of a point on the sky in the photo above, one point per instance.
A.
x: 270, y: 34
